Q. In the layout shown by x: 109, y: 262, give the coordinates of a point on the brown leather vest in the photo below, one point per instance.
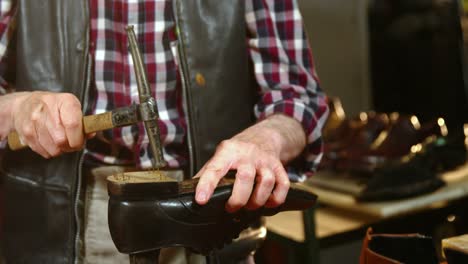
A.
x: 43, y: 197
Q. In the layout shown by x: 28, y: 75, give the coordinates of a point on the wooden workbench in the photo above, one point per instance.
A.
x: 343, y: 213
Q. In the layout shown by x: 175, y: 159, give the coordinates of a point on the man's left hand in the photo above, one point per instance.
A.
x: 258, y: 154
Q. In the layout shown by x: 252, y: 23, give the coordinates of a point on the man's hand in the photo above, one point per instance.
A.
x: 258, y: 154
x: 49, y: 123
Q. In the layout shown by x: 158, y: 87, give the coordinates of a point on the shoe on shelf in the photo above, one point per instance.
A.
x: 358, y: 131
x: 417, y: 172
x: 356, y: 135
x: 391, y: 144
x: 339, y: 139
x: 335, y: 117
x: 149, y: 211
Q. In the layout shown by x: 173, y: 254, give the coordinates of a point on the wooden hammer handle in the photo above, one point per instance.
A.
x: 91, y: 124
x: 95, y: 123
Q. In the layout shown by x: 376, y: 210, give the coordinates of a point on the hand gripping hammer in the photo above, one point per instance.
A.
x: 146, y: 111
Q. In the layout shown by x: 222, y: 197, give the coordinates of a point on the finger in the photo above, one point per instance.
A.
x: 264, y: 187
x: 55, y: 129
x: 35, y: 144
x: 210, y: 176
x: 45, y: 138
x: 71, y: 119
x: 242, y: 189
x: 281, y: 187
x: 37, y: 147
x: 28, y: 131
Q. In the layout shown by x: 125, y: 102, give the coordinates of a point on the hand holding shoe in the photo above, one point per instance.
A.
x: 257, y: 155
x: 149, y: 210
x: 208, y: 211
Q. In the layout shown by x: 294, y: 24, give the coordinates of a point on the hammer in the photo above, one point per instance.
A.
x: 146, y: 111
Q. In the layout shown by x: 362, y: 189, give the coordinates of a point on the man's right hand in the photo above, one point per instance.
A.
x: 49, y: 123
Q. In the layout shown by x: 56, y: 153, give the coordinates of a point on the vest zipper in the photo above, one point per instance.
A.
x: 77, y: 214
x: 186, y: 100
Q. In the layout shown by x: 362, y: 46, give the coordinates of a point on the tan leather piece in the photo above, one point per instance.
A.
x: 370, y: 257
x: 335, y: 117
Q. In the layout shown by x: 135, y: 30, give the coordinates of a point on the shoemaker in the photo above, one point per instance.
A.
x: 236, y: 90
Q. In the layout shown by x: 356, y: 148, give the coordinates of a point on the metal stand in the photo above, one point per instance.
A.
x: 212, y: 258
x: 151, y: 257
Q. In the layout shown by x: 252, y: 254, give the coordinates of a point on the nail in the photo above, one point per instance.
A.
x: 201, y: 196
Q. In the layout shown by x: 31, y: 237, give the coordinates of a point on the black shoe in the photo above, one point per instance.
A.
x: 416, y: 173
x: 148, y: 213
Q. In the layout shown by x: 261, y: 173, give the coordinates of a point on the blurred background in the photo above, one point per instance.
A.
x: 390, y: 55
x: 403, y: 56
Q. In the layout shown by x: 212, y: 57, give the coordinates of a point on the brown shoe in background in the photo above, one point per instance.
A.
x: 391, y: 144
x: 354, y: 135
x: 335, y: 118
x: 397, y: 248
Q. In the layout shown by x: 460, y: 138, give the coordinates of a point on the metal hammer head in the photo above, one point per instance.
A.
x: 148, y: 109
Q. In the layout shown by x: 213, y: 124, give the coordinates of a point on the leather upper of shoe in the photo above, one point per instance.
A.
x: 156, y: 186
x: 144, y: 216
x: 185, y: 209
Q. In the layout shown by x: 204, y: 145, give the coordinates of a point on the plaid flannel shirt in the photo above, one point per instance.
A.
x: 278, y: 49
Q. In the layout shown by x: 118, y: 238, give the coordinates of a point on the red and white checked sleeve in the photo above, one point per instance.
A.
x: 7, y: 10
x: 285, y: 72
